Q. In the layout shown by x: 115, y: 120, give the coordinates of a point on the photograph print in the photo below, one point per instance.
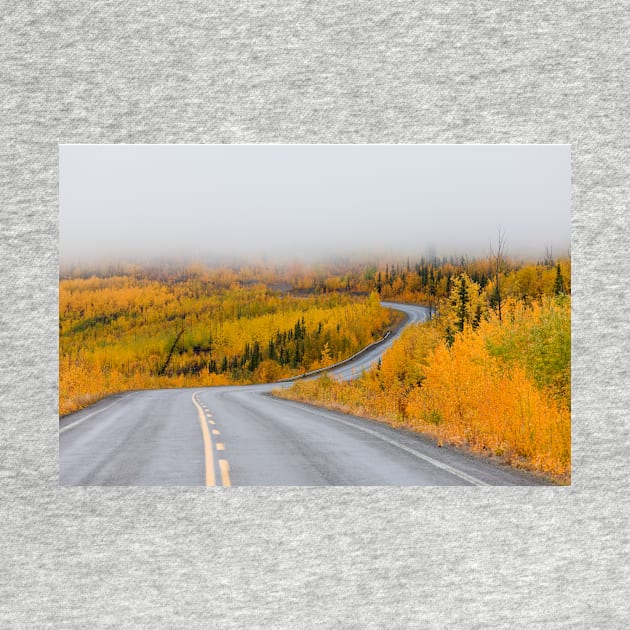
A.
x: 314, y: 315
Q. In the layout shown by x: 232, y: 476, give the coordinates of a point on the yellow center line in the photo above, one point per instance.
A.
x: 211, y: 421
x: 215, y: 432
x: 225, y: 472
x: 207, y: 445
x: 220, y: 446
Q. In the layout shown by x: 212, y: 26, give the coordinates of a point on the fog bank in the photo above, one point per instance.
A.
x: 213, y: 202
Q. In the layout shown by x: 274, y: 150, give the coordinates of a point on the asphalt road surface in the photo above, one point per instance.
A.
x: 243, y: 436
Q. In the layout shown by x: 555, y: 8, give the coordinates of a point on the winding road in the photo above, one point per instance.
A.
x: 243, y: 436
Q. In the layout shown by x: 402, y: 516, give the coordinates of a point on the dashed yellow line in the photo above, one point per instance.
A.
x: 207, y: 445
x: 225, y: 472
x: 224, y: 465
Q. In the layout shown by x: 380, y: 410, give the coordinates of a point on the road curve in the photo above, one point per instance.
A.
x: 242, y: 436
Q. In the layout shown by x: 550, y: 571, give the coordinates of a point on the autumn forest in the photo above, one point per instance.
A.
x: 490, y: 371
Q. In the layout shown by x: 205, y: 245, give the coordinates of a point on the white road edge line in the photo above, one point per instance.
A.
x: 427, y: 458
x: 81, y: 420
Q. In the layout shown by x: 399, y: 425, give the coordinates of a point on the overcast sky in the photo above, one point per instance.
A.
x: 124, y: 202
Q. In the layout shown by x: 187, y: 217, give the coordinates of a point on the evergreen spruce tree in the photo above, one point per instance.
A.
x: 254, y: 361
x: 462, y: 303
x: 477, y: 318
x: 558, y: 286
x: 272, y: 351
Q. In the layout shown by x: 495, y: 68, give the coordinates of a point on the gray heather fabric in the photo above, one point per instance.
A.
x: 400, y: 72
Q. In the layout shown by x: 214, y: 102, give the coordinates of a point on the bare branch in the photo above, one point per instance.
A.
x: 498, y: 262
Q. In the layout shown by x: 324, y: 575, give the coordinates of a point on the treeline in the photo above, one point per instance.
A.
x: 132, y: 332
x: 430, y: 281
x: 425, y: 280
x: 491, y: 371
